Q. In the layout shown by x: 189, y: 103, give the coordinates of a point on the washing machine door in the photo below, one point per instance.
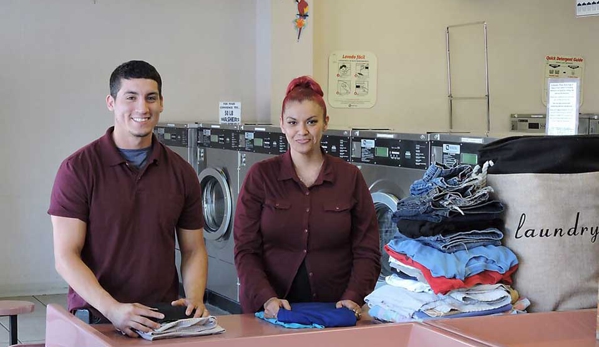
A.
x: 217, y: 204
x: 385, y: 204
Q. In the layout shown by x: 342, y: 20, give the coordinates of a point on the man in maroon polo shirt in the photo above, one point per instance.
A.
x: 115, y: 207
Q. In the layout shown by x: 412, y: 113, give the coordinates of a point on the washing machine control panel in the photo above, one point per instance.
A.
x: 262, y: 142
x: 455, y: 153
x: 390, y: 152
x: 337, y: 146
x: 218, y: 138
x: 176, y: 137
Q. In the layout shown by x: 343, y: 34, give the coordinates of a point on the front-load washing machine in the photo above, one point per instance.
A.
x: 182, y: 139
x: 220, y: 185
x: 454, y: 149
x: 537, y: 123
x: 593, y: 123
x: 260, y: 142
x: 390, y: 162
x: 257, y: 143
x: 337, y: 142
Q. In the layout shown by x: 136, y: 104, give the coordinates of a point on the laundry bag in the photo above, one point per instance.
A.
x: 550, y: 187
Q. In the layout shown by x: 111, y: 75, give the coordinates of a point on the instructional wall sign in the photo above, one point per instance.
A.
x: 587, y: 8
x: 560, y: 66
x: 229, y: 112
x: 562, y: 106
x: 352, y: 79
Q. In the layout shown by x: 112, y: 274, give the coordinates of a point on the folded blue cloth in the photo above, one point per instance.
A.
x: 286, y: 325
x: 313, y: 315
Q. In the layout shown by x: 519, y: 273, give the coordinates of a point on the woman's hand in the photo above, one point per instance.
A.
x: 352, y: 306
x: 272, y: 306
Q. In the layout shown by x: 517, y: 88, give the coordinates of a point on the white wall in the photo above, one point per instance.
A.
x: 56, y: 58
x: 263, y: 60
x: 280, y: 57
x: 290, y: 58
x: 408, y: 38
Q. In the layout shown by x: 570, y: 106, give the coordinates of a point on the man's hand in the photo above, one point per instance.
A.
x: 126, y: 317
x: 272, y: 306
x: 201, y: 310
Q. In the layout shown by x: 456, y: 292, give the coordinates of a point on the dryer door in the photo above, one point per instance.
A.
x: 385, y: 204
x: 217, y: 203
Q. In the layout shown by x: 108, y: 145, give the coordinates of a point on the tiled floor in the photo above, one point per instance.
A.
x: 32, y: 326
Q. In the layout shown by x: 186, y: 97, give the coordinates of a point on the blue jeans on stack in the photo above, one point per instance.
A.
x: 415, y: 207
x: 446, y: 202
x: 440, y: 175
x: 443, y: 191
x: 463, y: 240
x: 419, y: 208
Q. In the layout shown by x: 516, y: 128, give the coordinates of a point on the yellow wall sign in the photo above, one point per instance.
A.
x: 560, y: 66
x: 352, y: 79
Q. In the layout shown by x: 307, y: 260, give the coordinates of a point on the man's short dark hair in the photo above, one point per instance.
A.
x: 133, y: 69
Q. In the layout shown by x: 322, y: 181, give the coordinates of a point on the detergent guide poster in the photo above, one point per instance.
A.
x: 352, y: 79
x: 561, y: 66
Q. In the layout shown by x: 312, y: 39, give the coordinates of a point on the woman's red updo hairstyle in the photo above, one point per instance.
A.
x: 304, y: 88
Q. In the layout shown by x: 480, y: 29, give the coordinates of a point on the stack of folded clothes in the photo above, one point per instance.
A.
x: 447, y: 256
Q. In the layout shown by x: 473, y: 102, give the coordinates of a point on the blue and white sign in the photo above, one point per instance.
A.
x: 451, y: 149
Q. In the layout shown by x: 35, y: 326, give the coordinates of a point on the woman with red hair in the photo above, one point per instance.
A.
x: 305, y: 227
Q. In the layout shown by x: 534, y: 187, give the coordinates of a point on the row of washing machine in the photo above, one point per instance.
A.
x: 222, y: 156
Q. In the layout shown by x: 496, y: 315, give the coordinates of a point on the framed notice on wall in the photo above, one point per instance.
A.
x: 352, y: 79
x: 562, y: 106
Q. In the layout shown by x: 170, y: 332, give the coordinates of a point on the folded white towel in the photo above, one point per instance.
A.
x: 475, y: 299
x: 411, y: 285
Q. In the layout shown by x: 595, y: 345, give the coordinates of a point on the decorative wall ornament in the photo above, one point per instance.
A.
x: 302, y: 15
